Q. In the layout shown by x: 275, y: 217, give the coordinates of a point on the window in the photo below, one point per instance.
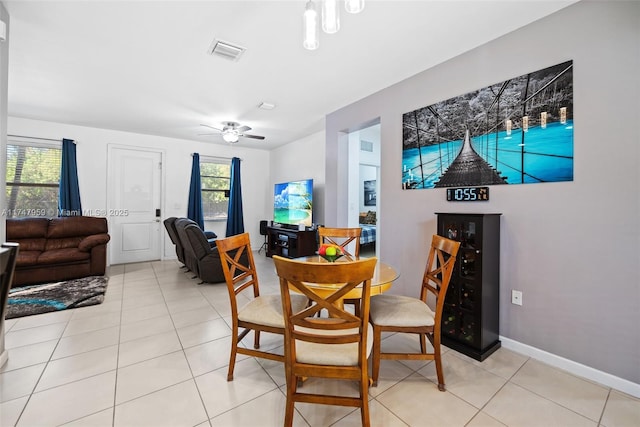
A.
x: 215, y: 177
x: 33, y: 177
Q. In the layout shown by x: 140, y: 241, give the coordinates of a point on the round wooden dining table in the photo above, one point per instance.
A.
x: 383, y: 277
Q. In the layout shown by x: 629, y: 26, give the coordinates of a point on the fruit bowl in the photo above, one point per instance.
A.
x: 330, y: 252
x: 331, y: 258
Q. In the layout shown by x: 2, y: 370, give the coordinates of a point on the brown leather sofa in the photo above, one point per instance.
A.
x: 58, y: 249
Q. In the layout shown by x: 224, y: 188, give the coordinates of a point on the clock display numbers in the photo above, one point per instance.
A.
x: 468, y: 194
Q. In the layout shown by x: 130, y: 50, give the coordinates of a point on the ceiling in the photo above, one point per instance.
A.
x: 144, y: 67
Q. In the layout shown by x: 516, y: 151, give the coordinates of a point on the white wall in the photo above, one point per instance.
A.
x: 572, y: 248
x: 4, y: 72
x: 93, y: 175
x: 298, y: 160
x: 4, y: 84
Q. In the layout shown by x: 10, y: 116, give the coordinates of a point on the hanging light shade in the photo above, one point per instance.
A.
x: 354, y: 6
x: 330, y: 16
x: 230, y: 136
x: 310, y: 26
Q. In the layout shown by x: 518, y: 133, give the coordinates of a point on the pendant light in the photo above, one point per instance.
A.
x: 310, y: 25
x: 354, y: 6
x: 330, y: 16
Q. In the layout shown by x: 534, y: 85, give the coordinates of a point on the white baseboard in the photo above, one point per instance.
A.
x: 572, y: 367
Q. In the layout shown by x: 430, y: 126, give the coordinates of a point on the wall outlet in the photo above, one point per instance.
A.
x: 516, y: 297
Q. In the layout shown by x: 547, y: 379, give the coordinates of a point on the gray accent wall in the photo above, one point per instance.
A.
x: 572, y: 248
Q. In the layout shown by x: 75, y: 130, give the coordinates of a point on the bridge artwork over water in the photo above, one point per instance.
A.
x: 468, y: 169
x: 515, y: 132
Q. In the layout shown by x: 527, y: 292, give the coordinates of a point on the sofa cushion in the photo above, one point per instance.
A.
x: 30, y: 244
x: 58, y: 256
x: 27, y: 258
x: 25, y: 228
x: 75, y: 226
x: 68, y: 242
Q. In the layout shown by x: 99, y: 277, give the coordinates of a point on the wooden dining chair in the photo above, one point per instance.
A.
x: 396, y: 313
x: 334, y: 347
x: 342, y: 237
x: 263, y: 313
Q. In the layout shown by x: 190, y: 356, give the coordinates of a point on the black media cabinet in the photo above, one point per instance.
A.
x: 290, y: 243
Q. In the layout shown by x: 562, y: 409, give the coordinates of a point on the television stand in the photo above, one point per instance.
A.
x: 289, y: 243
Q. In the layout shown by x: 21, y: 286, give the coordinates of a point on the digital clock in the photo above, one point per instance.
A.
x: 468, y: 194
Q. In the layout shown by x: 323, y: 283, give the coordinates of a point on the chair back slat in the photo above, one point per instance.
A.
x: 342, y: 237
x: 439, y: 268
x: 238, y: 275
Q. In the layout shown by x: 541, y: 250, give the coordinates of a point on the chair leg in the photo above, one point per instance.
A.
x: 375, y: 362
x: 256, y: 339
x: 364, y: 395
x: 232, y: 358
x: 423, y: 343
x: 291, y: 391
x: 438, y: 359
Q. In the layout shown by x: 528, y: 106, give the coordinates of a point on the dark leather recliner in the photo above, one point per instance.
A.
x: 207, y: 259
x: 170, y: 225
x: 190, y: 260
x: 199, y: 256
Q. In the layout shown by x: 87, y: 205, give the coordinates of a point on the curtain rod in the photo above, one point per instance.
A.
x: 215, y: 157
x: 42, y: 139
x: 35, y: 137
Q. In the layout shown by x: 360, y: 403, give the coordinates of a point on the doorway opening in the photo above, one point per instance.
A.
x: 364, y: 185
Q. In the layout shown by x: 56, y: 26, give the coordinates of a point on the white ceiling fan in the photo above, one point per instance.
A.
x: 232, y: 131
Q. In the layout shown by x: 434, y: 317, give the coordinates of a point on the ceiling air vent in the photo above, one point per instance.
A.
x: 366, y: 146
x: 226, y: 50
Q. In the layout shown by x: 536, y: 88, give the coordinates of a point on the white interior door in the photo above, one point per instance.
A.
x: 134, y: 204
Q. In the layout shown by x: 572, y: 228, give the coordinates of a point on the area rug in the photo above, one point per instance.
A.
x: 47, y: 297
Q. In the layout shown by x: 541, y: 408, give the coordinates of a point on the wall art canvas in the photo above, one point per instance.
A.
x: 518, y: 131
x: 370, y: 193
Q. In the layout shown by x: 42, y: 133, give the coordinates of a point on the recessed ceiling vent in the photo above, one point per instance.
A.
x: 226, y: 50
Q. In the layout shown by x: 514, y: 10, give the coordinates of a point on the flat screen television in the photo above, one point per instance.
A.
x: 293, y: 203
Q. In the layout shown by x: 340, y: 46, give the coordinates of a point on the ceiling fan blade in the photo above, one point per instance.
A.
x: 252, y: 136
x: 243, y: 129
x: 207, y: 134
x: 211, y: 127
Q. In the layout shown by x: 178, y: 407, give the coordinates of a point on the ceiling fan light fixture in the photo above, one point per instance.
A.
x: 310, y: 26
x: 330, y: 16
x: 230, y: 136
x: 354, y: 6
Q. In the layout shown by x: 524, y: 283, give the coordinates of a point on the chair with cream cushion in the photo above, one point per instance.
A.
x: 262, y: 312
x: 334, y: 347
x: 396, y: 313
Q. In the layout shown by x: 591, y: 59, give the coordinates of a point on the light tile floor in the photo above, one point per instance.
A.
x: 155, y: 353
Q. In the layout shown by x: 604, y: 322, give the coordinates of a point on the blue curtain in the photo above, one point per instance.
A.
x: 235, y: 223
x: 69, y: 199
x: 194, y: 211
